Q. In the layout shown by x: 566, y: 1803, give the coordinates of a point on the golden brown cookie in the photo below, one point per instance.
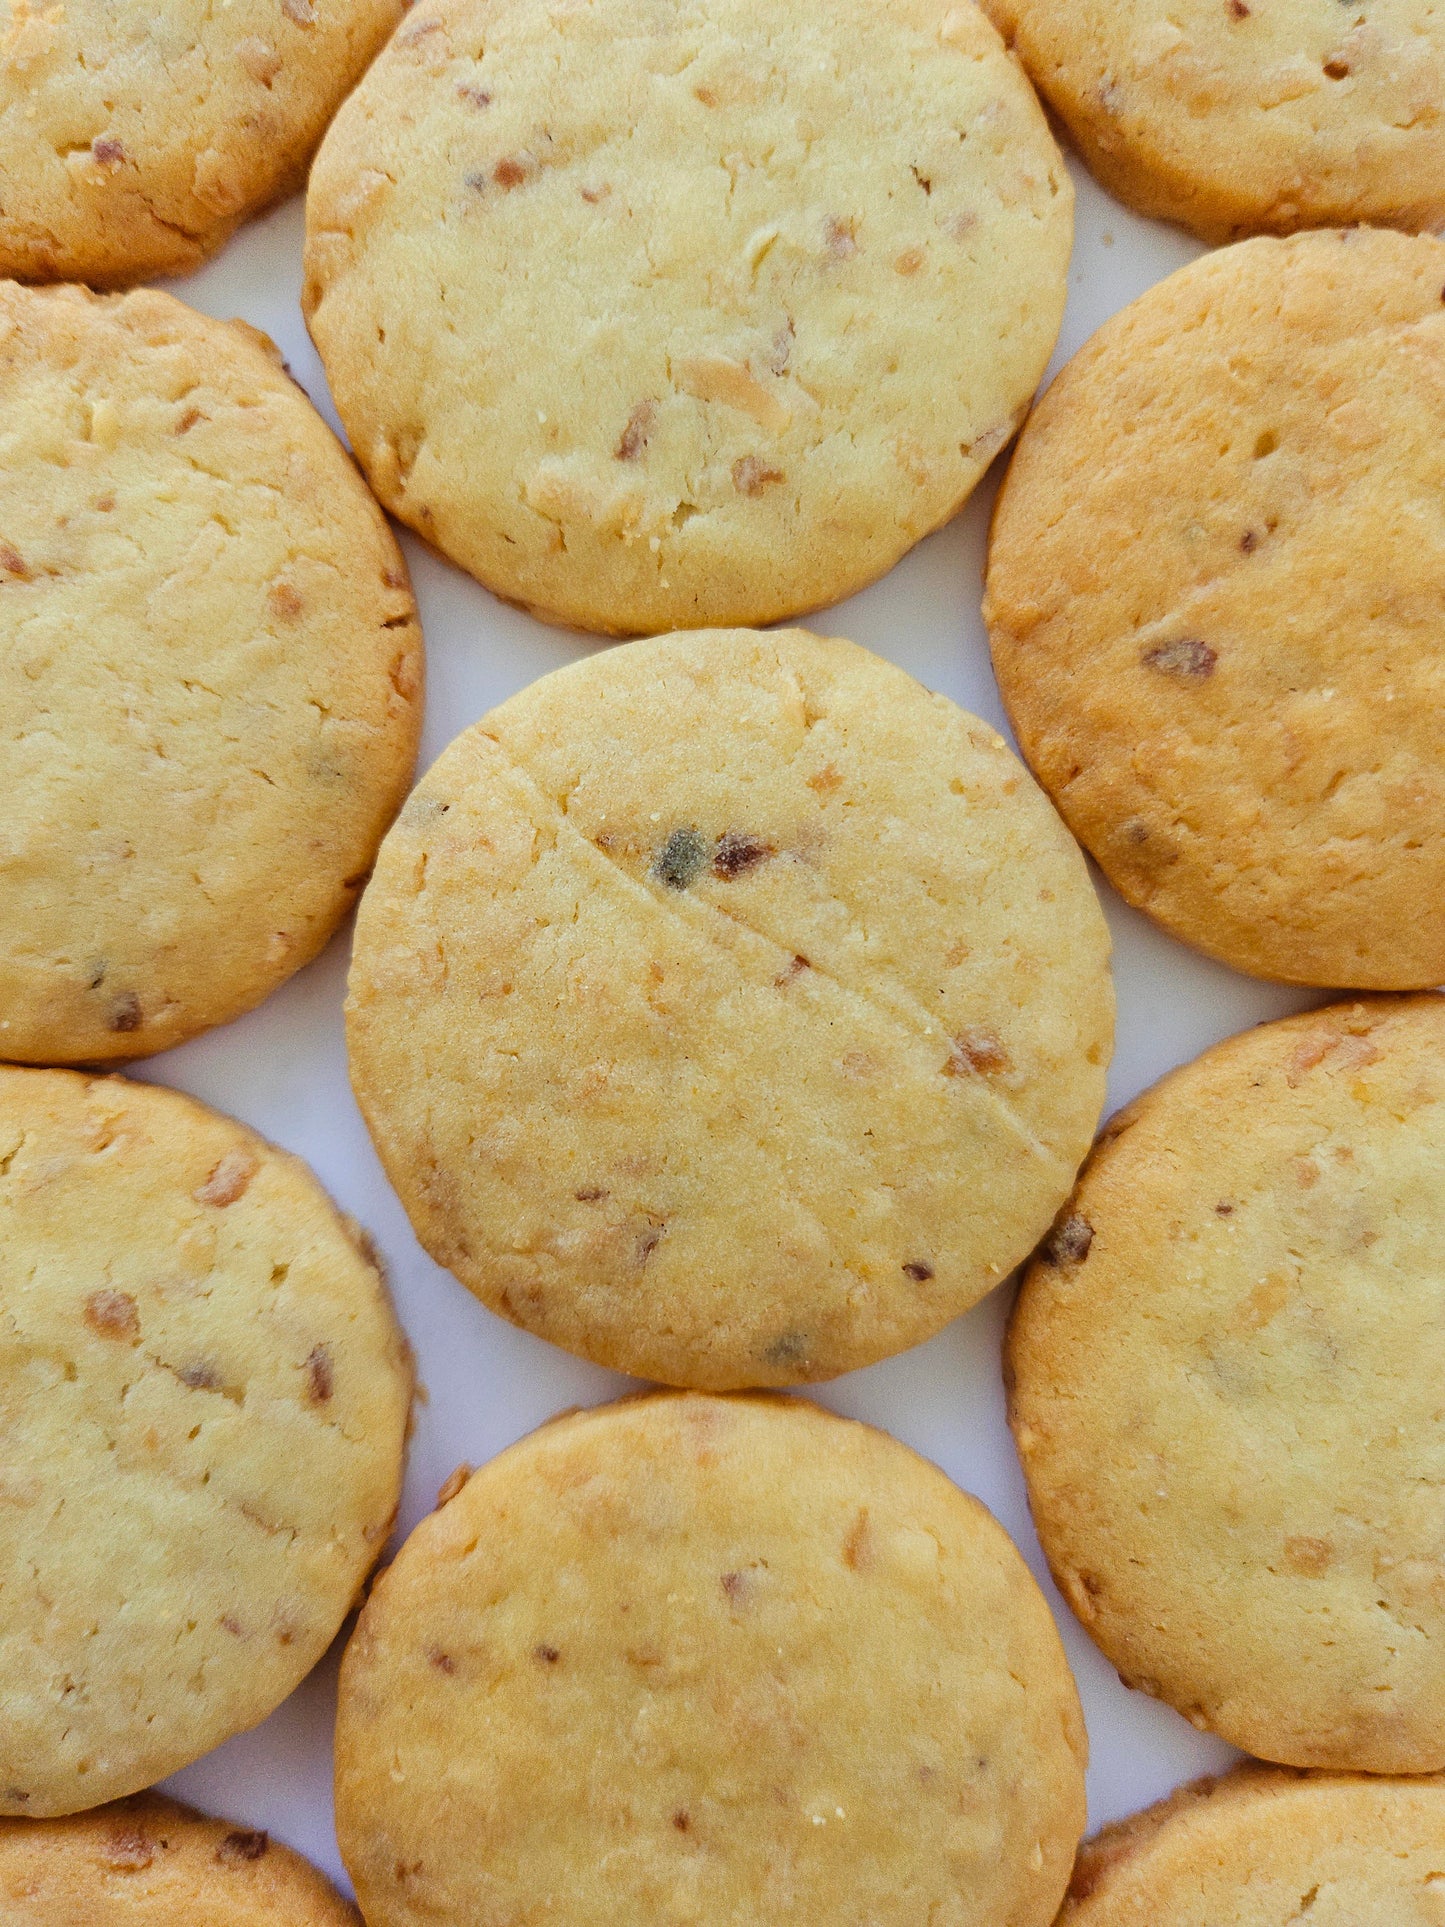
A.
x: 210, y: 675
x: 136, y: 137
x: 661, y: 313
x: 729, y: 1009
x: 1264, y: 1848
x: 148, y: 1862
x: 1226, y: 1369
x: 700, y: 1659
x: 203, y: 1397
x: 1248, y: 116
x: 1214, y: 601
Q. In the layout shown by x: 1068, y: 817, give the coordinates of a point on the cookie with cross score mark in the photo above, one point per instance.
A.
x: 729, y: 1009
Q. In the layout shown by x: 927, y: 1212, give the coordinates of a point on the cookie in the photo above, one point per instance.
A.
x: 690, y: 1658
x: 730, y: 1010
x: 713, y: 308
x: 210, y: 675
x: 148, y: 1862
x: 134, y: 139
x: 1226, y: 1369
x: 1236, y: 117
x: 1214, y: 591
x: 203, y: 1397
x: 1261, y: 1848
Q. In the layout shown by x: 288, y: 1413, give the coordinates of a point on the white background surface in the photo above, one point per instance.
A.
x: 283, y: 1070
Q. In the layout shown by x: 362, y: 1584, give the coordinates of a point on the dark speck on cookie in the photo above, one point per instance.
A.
x: 1069, y: 1242
x: 1188, y: 659
x: 125, y: 1012
x: 789, y: 1349
x: 738, y: 853
x: 681, y: 859
x: 243, y: 1845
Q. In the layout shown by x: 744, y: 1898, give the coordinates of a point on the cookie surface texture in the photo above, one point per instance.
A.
x: 1261, y: 1848
x: 210, y: 675
x: 1243, y: 117
x: 1225, y: 1390
x: 1213, y: 601
x: 730, y: 1010
x: 149, y: 1862
x: 690, y: 1658
x: 203, y: 1396
x: 135, y: 138
x: 657, y: 314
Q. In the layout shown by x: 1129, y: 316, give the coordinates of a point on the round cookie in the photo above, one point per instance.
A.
x: 135, y: 138
x: 717, y: 1647
x: 730, y: 1010
x: 714, y: 308
x: 1214, y: 593
x: 203, y: 1399
x: 1241, y: 117
x: 210, y: 675
x: 149, y: 1862
x: 1262, y: 1848
x: 1225, y: 1386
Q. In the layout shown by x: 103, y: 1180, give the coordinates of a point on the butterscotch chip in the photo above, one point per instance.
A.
x: 1264, y: 1848
x: 730, y: 1010
x: 718, y: 1648
x: 134, y: 139
x: 1214, y: 592
x: 1226, y: 1372
x: 149, y: 1862
x: 210, y: 673
x: 658, y: 366
x: 201, y: 1457
x: 1248, y: 116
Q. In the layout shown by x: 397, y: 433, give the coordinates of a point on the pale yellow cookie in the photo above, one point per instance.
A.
x: 1215, y: 603
x: 148, y: 1862
x: 203, y: 1397
x: 729, y: 1009
x: 1226, y: 1370
x: 1262, y: 1848
x: 1248, y: 116
x: 136, y: 135
x: 661, y: 313
x: 700, y: 1659
x: 210, y: 675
